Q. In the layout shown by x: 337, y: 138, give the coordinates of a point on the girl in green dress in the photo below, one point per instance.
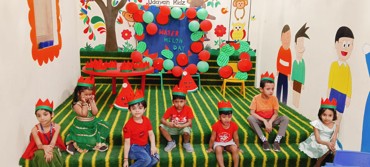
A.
x: 87, y: 132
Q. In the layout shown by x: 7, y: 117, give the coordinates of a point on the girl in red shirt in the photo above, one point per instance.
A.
x: 225, y: 135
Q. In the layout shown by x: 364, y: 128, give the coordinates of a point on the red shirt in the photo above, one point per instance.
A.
x: 222, y: 134
x: 181, y: 117
x: 137, y: 132
x: 284, y: 61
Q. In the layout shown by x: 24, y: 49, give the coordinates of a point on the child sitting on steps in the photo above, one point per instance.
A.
x: 180, y: 116
x: 264, y: 113
x: 45, y: 142
x: 87, y: 132
x: 136, y: 131
x: 323, y: 140
x: 225, y: 135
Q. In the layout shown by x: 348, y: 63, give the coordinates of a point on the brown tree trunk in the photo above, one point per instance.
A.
x: 111, y: 40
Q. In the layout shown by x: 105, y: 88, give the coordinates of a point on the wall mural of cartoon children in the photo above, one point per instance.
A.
x: 365, y: 146
x: 299, y: 67
x: 340, y: 79
x: 284, y: 65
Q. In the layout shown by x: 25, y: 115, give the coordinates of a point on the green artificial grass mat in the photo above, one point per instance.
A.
x: 204, y: 105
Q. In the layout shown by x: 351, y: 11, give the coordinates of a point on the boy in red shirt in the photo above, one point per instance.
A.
x: 264, y: 113
x: 136, y: 133
x: 225, y: 135
x: 180, y: 116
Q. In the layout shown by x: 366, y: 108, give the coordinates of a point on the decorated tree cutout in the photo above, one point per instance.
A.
x: 110, y: 11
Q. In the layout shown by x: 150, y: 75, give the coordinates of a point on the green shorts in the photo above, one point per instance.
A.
x: 176, y: 131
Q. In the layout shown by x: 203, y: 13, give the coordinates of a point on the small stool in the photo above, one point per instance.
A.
x: 197, y: 75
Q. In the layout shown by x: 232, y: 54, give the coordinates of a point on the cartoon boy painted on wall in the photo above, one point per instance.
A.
x: 284, y: 65
x: 299, y: 67
x: 340, y: 79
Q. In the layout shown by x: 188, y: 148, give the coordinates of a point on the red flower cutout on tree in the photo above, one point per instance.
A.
x: 126, y: 34
x: 220, y: 30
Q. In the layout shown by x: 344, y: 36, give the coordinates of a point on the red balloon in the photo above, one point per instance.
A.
x: 225, y: 71
x: 196, y: 47
x: 140, y: 37
x: 206, y: 25
x: 151, y: 29
x: 164, y: 10
x: 191, y: 69
x: 182, y: 59
x: 136, y: 56
x: 245, y: 55
x: 177, y: 71
x: 158, y: 64
x: 244, y: 65
x: 132, y: 7
x: 191, y: 13
x: 138, y: 16
x: 162, y: 19
x: 204, y: 55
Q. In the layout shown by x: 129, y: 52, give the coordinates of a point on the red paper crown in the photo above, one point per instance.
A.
x: 136, y: 97
x: 179, y: 91
x: 126, y: 66
x: 89, y: 65
x: 111, y: 65
x: 44, y: 105
x: 141, y: 65
x: 87, y: 82
x: 328, y: 104
x: 267, y: 76
x: 224, y: 107
x: 100, y: 67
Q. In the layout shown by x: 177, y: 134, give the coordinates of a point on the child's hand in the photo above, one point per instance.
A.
x: 48, y: 156
x: 268, y: 126
x: 47, y: 149
x: 209, y: 150
x: 240, y: 150
x: 153, y: 150
x: 125, y: 163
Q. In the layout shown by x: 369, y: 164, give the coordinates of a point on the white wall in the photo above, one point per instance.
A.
x: 323, y: 18
x: 23, y: 81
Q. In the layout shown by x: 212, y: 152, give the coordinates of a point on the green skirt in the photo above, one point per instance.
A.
x: 39, y: 160
x: 88, y: 134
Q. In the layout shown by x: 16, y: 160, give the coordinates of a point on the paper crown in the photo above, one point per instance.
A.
x: 45, y: 105
x: 224, y: 107
x: 328, y: 104
x: 87, y: 82
x: 136, y: 97
x: 267, y: 76
x: 179, y: 91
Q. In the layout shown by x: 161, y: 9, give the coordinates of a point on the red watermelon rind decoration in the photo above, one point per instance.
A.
x: 188, y: 83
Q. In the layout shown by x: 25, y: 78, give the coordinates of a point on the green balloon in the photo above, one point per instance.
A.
x: 139, y: 28
x: 194, y: 26
x: 202, y: 14
x: 148, y: 17
x: 202, y: 66
x: 168, y: 64
x: 148, y: 59
x: 176, y: 12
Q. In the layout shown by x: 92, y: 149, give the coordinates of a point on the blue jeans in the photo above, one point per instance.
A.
x: 282, y: 87
x: 141, y: 155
